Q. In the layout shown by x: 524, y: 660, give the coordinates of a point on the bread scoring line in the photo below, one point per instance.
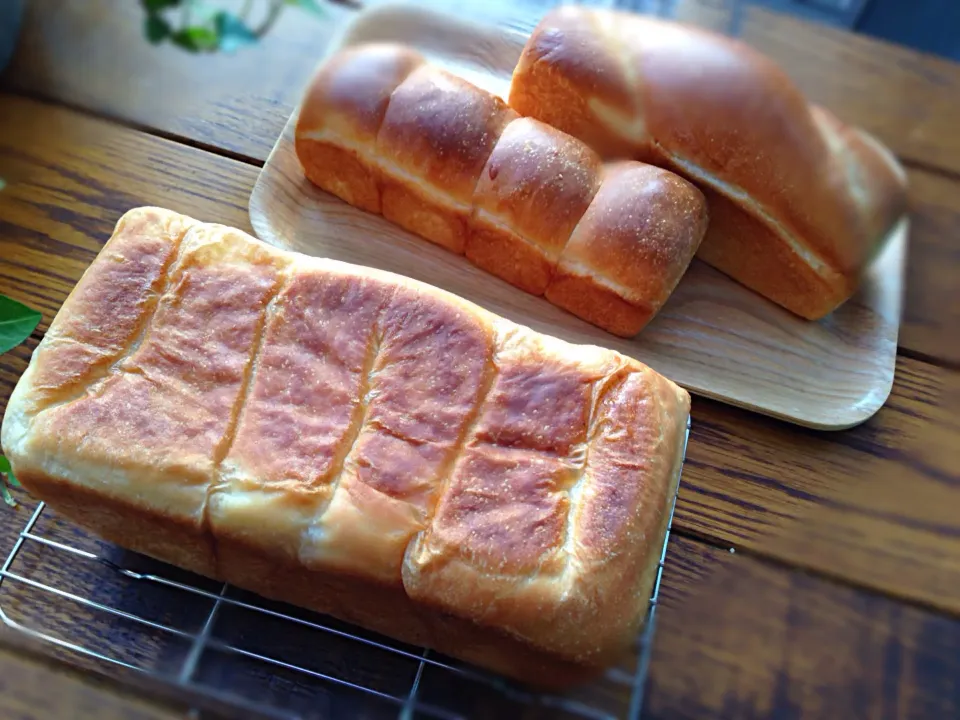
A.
x: 218, y: 483
x: 96, y: 381
x: 490, y: 373
x: 357, y: 421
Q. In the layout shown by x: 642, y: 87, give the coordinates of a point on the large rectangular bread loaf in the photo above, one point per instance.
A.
x: 354, y: 442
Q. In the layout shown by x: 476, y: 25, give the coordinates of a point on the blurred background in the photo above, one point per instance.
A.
x: 931, y: 26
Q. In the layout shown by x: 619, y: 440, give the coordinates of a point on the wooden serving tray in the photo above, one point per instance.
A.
x: 714, y: 337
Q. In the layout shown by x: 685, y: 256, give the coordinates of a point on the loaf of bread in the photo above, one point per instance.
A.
x: 355, y: 442
x: 798, y: 205
x: 392, y: 134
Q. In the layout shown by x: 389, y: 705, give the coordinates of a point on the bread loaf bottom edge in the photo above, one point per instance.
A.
x: 742, y: 247
x: 125, y: 525
x: 369, y: 605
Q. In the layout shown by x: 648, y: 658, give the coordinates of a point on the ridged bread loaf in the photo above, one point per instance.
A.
x: 388, y: 132
x: 354, y: 442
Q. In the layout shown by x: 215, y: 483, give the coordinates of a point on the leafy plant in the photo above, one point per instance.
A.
x: 7, y: 472
x: 17, y: 322
x: 196, y: 27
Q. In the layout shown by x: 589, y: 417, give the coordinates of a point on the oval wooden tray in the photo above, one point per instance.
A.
x: 714, y: 337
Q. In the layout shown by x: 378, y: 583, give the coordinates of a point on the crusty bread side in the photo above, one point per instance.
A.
x: 435, y: 139
x: 874, y: 176
x: 343, y: 108
x: 611, y: 273
x: 451, y: 163
x: 357, y: 443
x: 791, y: 216
x: 536, y: 186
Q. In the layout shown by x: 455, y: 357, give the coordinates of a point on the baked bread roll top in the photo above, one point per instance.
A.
x: 535, y: 187
x: 632, y: 246
x: 454, y: 165
x: 361, y: 396
x: 639, y: 233
x: 726, y: 117
x: 541, y: 560
x: 348, y: 95
x: 436, y: 137
x: 341, y: 114
x: 439, y: 130
x: 538, y: 182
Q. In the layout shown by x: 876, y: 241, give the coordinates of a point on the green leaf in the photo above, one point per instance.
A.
x: 233, y: 32
x: 7, y: 497
x: 313, y: 6
x: 4, y: 488
x: 17, y: 321
x: 156, y: 29
x: 196, y: 39
x: 5, y: 469
x: 155, y: 6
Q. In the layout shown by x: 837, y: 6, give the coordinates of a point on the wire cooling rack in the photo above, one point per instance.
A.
x: 116, y: 611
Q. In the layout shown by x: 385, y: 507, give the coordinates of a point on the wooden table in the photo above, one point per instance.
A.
x: 809, y: 575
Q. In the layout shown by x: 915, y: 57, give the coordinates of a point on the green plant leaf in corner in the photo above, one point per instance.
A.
x: 156, y: 29
x: 7, y: 472
x: 233, y: 32
x: 196, y: 39
x: 155, y: 6
x: 17, y: 321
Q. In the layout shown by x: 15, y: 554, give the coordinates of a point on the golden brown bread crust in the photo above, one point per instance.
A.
x: 358, y: 443
x: 741, y: 246
x: 537, y: 184
x: 875, y: 178
x: 129, y: 525
x: 633, y: 244
x: 577, y: 529
x: 581, y: 295
x: 114, y: 297
x: 348, y: 95
x: 453, y: 164
x: 727, y: 118
x: 435, y: 139
x: 342, y: 113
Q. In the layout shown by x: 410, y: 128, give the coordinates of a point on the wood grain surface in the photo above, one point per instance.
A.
x: 841, y: 599
x: 238, y: 105
x: 762, y: 485
x: 713, y: 336
x: 876, y: 505
x: 741, y: 638
x: 931, y: 314
x: 33, y: 687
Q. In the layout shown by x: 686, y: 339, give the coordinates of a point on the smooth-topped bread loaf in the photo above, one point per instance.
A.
x: 798, y: 205
x: 389, y: 133
x: 355, y: 442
